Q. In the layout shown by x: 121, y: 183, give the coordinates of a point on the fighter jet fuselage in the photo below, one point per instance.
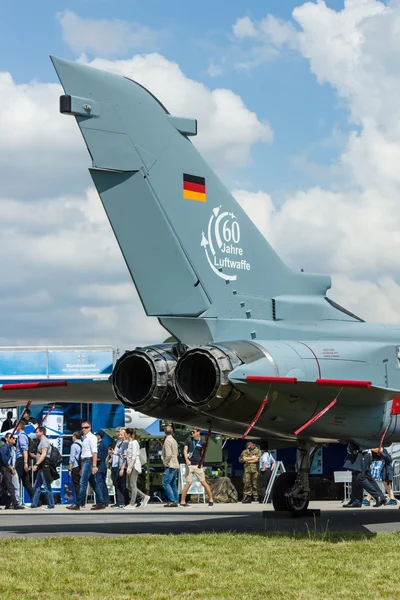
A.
x: 248, y: 327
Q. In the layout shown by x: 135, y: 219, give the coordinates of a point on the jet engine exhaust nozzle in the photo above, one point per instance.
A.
x: 141, y: 378
x: 201, y: 377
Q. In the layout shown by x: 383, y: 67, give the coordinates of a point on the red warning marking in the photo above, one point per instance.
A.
x: 344, y: 383
x: 315, y: 418
x: 395, y: 407
x: 262, y: 379
x: 254, y: 421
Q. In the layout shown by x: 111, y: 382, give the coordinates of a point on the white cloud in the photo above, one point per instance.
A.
x: 277, y: 32
x: 270, y: 30
x: 104, y: 37
x: 244, y: 28
x: 352, y: 231
x: 64, y: 280
x: 259, y: 207
x: 214, y: 69
x: 377, y: 301
x: 266, y: 37
x: 39, y: 150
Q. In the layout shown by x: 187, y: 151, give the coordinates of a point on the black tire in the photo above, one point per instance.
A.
x: 283, y: 483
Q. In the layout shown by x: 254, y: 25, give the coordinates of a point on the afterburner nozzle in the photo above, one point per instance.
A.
x: 201, y: 377
x: 141, y: 378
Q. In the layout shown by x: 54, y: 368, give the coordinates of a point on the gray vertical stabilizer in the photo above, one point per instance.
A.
x: 191, y: 250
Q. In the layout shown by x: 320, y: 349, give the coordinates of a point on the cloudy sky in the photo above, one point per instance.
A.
x: 299, y: 112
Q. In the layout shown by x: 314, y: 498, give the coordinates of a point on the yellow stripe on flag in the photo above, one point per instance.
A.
x: 189, y: 195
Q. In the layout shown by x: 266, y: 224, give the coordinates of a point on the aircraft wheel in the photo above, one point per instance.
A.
x: 280, y: 501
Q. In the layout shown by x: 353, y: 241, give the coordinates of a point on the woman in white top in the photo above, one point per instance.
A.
x: 134, y: 467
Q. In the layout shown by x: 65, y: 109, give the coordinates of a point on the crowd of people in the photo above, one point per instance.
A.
x: 31, y: 466
x: 27, y: 462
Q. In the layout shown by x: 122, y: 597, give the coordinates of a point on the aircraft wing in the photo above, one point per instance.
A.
x: 56, y: 392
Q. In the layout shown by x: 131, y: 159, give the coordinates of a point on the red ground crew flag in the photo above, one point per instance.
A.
x: 194, y: 188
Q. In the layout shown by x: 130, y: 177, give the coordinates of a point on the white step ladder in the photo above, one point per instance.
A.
x: 280, y: 468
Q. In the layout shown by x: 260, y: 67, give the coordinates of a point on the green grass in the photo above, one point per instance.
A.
x: 200, y: 567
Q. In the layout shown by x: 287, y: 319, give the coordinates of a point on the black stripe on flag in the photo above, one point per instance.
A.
x: 194, y: 179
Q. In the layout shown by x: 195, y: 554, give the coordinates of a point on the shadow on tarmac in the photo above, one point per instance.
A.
x: 355, y: 523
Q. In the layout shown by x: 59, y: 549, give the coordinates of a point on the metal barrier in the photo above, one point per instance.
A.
x: 345, y: 478
x: 396, y: 477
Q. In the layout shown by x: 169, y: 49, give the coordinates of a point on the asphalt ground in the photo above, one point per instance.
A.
x: 155, y: 519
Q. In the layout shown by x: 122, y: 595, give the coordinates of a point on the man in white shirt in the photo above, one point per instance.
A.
x: 89, y: 470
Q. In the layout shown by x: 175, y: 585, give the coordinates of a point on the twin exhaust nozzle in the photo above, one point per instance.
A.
x: 158, y: 379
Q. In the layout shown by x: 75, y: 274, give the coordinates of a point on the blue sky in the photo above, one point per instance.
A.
x: 324, y: 191
x: 302, y: 113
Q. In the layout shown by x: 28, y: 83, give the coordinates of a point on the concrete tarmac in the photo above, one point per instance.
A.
x: 155, y: 519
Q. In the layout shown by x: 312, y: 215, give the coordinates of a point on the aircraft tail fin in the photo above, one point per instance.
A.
x: 190, y: 248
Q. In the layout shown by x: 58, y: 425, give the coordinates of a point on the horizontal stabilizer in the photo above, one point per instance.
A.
x: 87, y: 392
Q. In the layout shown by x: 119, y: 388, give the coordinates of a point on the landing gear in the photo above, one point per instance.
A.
x: 292, y: 490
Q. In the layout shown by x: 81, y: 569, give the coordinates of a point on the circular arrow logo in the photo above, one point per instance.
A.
x: 222, y: 245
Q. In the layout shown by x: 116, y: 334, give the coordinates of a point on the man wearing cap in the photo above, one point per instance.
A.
x: 193, y: 453
x: 250, y: 458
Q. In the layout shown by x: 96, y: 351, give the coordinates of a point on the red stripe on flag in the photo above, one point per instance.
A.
x: 194, y: 187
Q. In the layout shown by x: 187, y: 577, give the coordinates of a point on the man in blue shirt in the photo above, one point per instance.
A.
x: 75, y: 463
x: 267, y: 465
x: 21, y: 465
x: 7, y: 471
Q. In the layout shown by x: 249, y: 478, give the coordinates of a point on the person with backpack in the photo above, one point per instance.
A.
x: 7, y: 471
x: 75, y: 462
x: 44, y: 470
x: 134, y: 468
x: 382, y: 472
x: 22, y: 459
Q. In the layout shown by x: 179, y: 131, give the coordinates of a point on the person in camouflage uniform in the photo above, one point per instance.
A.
x: 250, y: 458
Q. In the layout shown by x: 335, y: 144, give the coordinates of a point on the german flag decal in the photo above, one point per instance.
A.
x: 194, y: 188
